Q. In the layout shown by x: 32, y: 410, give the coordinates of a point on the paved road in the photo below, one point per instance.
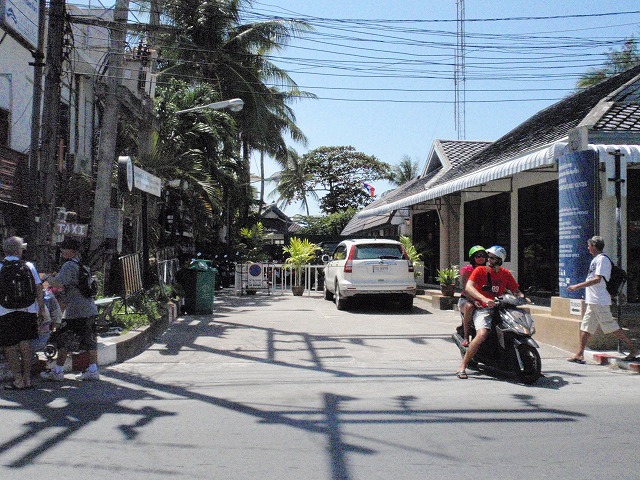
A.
x: 285, y: 387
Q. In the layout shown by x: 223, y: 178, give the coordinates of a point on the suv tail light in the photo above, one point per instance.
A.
x: 348, y: 266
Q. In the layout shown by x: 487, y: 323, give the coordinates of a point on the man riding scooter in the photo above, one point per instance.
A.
x: 484, y: 285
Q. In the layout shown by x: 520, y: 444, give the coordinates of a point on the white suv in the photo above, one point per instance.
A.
x: 369, y: 266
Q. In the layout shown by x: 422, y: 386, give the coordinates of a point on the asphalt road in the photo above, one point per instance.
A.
x: 283, y: 387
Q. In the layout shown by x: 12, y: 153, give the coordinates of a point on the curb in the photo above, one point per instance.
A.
x: 116, y: 349
x: 614, y: 360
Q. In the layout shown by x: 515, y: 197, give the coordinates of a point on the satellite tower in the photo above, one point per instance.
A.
x: 459, y: 76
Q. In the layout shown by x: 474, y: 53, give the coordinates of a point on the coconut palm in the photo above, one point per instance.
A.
x: 211, y: 45
x: 294, y: 182
x: 405, y: 171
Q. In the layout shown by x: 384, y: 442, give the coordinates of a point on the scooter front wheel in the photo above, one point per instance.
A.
x: 532, y: 364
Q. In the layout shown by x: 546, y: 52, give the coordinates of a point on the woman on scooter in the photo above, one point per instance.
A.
x: 466, y: 305
x: 484, y: 285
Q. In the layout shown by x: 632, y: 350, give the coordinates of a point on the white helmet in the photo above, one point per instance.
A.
x: 499, y: 252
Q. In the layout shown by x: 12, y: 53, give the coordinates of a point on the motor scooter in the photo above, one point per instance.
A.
x: 509, y: 347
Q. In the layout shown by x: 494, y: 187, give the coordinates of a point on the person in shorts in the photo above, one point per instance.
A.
x: 484, y: 285
x: 76, y: 331
x: 466, y: 305
x: 598, y: 300
x: 19, y: 326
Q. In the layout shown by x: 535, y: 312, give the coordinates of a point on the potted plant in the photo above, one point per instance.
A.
x: 447, y: 278
x: 301, y: 253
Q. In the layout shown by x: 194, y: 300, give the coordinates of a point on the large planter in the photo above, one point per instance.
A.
x: 297, y: 290
x: 447, y: 290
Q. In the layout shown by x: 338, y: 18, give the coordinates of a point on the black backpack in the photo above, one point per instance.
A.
x: 17, y: 285
x: 87, y: 283
x: 617, y: 280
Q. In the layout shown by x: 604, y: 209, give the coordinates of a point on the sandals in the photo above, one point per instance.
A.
x: 576, y: 360
x: 630, y: 358
x: 462, y: 375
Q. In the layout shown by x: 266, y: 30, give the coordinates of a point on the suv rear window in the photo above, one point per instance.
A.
x: 368, y: 252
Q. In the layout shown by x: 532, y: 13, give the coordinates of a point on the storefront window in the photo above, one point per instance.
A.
x: 487, y: 222
x: 538, y: 239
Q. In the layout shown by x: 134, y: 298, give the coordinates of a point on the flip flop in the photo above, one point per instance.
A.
x: 462, y: 375
x: 576, y: 360
x: 12, y: 386
x: 630, y: 358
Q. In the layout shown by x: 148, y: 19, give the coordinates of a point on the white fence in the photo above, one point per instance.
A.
x: 274, y: 277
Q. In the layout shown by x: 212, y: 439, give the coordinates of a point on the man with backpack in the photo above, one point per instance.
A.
x: 21, y: 308
x: 598, y: 300
x: 79, y: 310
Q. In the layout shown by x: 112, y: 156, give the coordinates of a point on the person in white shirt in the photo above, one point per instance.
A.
x: 18, y: 326
x: 598, y: 300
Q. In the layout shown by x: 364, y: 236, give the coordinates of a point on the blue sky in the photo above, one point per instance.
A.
x: 385, y: 83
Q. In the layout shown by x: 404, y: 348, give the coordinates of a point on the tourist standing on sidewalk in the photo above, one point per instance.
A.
x: 21, y: 307
x: 598, y: 300
x: 78, y: 317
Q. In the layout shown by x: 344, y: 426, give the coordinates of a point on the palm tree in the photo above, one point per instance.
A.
x: 293, y: 182
x: 198, y: 150
x: 617, y: 62
x: 405, y: 171
x: 213, y: 46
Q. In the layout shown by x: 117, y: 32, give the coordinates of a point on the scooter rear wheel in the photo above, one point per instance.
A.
x: 532, y: 364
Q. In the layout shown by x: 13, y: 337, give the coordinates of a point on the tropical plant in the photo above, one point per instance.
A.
x: 212, y: 45
x: 253, y: 240
x: 340, y: 172
x: 448, y: 276
x: 617, y: 62
x: 328, y: 225
x: 411, y: 251
x: 301, y: 252
x: 294, y: 182
x: 405, y: 171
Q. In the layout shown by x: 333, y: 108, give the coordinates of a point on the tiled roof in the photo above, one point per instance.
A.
x: 547, y: 126
x: 612, y: 105
x: 620, y: 117
x: 459, y: 151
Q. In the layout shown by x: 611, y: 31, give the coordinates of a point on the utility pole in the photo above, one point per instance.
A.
x: 109, y: 128
x: 38, y: 64
x: 145, y: 140
x: 50, y: 115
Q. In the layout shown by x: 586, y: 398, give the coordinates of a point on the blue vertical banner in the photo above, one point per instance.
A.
x: 577, y: 213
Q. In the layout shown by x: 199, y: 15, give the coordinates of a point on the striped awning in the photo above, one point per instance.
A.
x: 540, y: 158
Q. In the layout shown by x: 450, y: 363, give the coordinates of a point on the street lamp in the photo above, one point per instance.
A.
x: 235, y: 105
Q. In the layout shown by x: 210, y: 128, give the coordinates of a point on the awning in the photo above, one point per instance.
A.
x: 631, y: 153
x: 540, y: 158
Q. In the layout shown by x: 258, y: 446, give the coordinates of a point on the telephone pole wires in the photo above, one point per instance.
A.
x: 50, y: 127
x: 109, y: 128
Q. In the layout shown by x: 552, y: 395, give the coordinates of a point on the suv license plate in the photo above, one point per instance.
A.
x: 380, y: 268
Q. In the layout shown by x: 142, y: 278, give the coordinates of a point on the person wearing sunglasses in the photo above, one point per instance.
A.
x: 466, y: 306
x: 484, y: 285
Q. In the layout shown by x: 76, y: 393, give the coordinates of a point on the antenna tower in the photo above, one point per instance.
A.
x: 459, y: 75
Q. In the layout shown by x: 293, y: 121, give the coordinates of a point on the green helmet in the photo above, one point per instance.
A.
x: 475, y: 249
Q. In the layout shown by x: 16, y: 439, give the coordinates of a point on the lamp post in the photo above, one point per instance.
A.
x: 235, y: 105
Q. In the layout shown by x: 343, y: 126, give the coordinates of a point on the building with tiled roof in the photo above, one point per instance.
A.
x: 513, y: 191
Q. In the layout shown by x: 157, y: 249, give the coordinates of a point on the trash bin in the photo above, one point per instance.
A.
x: 198, y: 282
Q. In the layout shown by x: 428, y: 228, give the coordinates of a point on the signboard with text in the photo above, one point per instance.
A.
x: 21, y: 17
x: 577, y: 211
